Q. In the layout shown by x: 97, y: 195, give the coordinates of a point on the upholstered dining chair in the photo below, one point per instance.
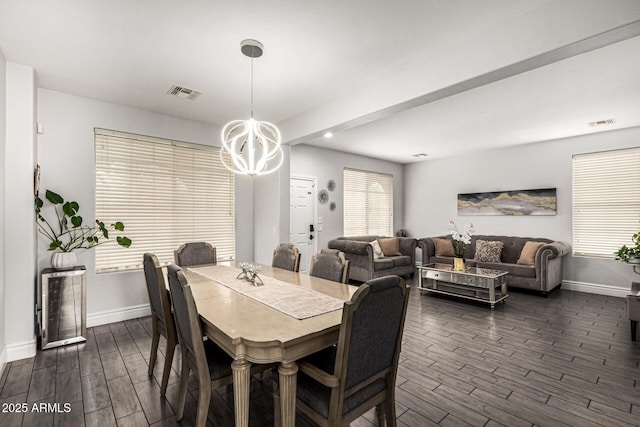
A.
x: 287, y: 257
x: 633, y: 308
x: 195, y: 253
x: 337, y: 385
x: 330, y: 264
x: 209, y: 363
x: 162, y: 322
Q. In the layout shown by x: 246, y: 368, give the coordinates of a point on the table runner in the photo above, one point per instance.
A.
x: 292, y: 300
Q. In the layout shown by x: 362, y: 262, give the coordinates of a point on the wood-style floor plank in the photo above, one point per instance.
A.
x: 565, y: 360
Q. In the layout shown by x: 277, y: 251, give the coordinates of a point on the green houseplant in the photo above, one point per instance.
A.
x: 630, y: 254
x: 68, y: 233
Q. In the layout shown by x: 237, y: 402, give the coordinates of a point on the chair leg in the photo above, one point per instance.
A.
x: 276, y: 405
x: 204, y: 398
x: 634, y: 329
x: 168, y: 360
x: 182, y: 392
x: 154, y: 344
x: 380, y: 414
x: 390, y: 408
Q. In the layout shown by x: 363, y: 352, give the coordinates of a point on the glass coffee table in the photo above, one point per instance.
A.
x: 478, y: 284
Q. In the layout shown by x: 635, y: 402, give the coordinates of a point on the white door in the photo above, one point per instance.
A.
x: 302, y: 197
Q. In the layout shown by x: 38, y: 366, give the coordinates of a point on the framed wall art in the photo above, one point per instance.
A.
x: 518, y: 202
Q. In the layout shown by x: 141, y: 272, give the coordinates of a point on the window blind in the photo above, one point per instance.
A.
x: 166, y: 193
x: 606, y: 201
x: 368, y: 203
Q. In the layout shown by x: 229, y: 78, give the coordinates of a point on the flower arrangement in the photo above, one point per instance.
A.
x: 460, y: 239
x: 250, y: 273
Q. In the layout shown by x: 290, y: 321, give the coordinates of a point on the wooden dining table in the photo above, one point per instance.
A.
x: 253, y: 332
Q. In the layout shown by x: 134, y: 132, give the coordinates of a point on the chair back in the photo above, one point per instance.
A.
x: 187, y: 318
x: 195, y: 253
x: 287, y: 257
x: 330, y: 264
x: 371, y: 333
x: 157, y: 290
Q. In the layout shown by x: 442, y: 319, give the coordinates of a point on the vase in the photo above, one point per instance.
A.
x: 63, y: 260
x: 458, y: 264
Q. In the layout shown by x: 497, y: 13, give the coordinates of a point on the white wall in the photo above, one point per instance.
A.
x: 432, y: 188
x: 3, y: 134
x: 66, y: 155
x: 270, y: 211
x: 323, y: 164
x: 19, y: 229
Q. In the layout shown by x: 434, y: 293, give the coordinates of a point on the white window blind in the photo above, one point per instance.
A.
x: 368, y: 203
x: 606, y: 201
x: 166, y: 193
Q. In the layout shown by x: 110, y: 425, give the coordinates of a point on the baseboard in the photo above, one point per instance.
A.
x: 595, y: 288
x: 3, y: 360
x: 111, y: 316
x: 21, y: 350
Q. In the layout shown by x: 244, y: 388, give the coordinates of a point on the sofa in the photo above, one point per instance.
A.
x: 543, y: 273
x: 366, y: 266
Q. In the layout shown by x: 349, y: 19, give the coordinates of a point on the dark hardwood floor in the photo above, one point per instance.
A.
x: 563, y: 360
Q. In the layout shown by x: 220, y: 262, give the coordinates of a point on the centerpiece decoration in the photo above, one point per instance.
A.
x: 631, y: 255
x: 459, y: 242
x: 67, y: 232
x: 250, y: 273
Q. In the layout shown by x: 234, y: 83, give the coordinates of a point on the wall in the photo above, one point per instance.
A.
x: 271, y: 211
x: 3, y: 134
x: 432, y: 188
x: 66, y: 155
x: 19, y: 229
x: 324, y: 165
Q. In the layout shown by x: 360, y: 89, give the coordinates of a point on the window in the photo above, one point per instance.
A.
x: 368, y: 203
x: 166, y: 193
x: 606, y: 201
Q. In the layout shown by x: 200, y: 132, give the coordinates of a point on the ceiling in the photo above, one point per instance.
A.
x: 390, y: 79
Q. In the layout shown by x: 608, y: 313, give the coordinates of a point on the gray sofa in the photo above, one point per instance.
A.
x: 543, y: 276
x: 363, y: 265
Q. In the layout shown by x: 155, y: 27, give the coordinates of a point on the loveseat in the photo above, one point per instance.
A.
x: 366, y: 266
x: 535, y: 268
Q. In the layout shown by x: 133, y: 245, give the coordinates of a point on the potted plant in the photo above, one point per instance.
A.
x: 459, y: 242
x: 630, y: 255
x: 68, y: 233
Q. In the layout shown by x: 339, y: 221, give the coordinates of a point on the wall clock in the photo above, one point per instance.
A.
x: 323, y: 196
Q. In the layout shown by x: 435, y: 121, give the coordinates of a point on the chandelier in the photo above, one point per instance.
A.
x: 251, y: 147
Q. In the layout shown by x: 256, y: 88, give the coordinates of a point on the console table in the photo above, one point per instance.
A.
x: 478, y: 284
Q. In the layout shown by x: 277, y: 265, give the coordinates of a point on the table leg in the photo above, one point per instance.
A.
x: 288, y: 374
x: 241, y: 380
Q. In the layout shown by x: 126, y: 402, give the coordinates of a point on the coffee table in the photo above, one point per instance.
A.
x: 478, y: 284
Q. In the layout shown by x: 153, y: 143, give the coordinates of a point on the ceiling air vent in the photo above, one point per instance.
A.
x: 602, y: 123
x: 183, y: 92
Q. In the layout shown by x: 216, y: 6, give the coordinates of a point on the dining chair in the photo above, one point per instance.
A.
x: 161, y: 317
x: 330, y: 264
x: 337, y: 385
x: 210, y: 364
x: 287, y: 257
x: 195, y: 253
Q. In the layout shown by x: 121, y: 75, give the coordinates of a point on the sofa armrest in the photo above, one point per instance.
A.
x: 552, y: 250
x: 351, y: 246
x: 408, y: 247
x: 428, y: 249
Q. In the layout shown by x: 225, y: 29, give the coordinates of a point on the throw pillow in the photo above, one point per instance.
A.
x: 444, y: 247
x: 488, y: 250
x: 377, y: 251
x: 528, y: 254
x: 390, y: 246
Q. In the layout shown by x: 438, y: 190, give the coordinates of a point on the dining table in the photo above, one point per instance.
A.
x: 286, y: 317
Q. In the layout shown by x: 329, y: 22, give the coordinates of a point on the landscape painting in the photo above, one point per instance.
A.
x: 520, y: 202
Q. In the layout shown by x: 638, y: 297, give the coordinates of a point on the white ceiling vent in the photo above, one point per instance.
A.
x: 183, y: 92
x: 602, y: 123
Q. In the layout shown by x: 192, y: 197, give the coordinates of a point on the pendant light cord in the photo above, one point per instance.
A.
x: 252, y: 86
